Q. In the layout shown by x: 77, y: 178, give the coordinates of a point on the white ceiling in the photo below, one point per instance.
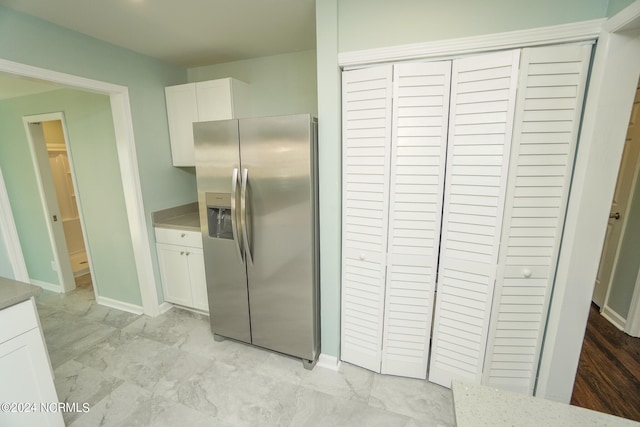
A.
x: 188, y: 33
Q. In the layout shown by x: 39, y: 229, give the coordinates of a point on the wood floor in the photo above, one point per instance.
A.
x: 608, y: 378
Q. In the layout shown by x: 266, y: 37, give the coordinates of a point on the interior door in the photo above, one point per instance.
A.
x: 551, y: 89
x: 483, y: 93
x: 619, y: 204
x: 418, y: 158
x: 366, y: 103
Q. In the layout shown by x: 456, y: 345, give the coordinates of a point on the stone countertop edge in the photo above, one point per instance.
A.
x: 477, y: 405
x: 13, y: 292
x: 183, y: 217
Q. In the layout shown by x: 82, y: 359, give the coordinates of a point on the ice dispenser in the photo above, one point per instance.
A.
x: 219, y: 215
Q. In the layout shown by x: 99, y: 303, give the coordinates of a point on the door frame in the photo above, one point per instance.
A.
x: 614, y: 78
x: 127, y: 158
x: 38, y: 150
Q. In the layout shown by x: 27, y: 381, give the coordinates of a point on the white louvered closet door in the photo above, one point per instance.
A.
x: 366, y: 139
x: 418, y: 157
x: 483, y: 91
x: 551, y: 92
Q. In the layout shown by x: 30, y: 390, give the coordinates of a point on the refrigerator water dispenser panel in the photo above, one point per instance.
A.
x: 219, y: 215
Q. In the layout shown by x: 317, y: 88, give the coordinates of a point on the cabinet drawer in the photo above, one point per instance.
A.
x: 17, y: 319
x: 179, y: 237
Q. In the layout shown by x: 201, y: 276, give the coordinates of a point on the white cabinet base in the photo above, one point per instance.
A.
x: 25, y: 373
x: 182, y: 268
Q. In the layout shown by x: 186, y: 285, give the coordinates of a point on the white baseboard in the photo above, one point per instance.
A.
x: 613, y: 317
x: 164, y: 307
x: 328, y: 362
x: 47, y: 286
x: 124, y: 306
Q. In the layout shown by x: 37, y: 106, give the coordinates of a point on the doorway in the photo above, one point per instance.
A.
x: 57, y: 184
x: 608, y: 374
x: 62, y: 175
x: 619, y: 263
x: 125, y: 146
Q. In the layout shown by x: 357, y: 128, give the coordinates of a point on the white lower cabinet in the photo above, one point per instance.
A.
x: 182, y: 268
x: 28, y: 394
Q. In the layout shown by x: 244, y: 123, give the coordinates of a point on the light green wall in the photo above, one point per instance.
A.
x: 20, y: 181
x: 35, y: 42
x: 616, y: 6
x: 330, y: 153
x: 367, y: 24
x: 92, y: 146
x: 279, y: 84
x: 624, y: 277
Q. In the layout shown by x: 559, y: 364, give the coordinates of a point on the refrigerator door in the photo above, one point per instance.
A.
x: 278, y: 169
x: 217, y: 170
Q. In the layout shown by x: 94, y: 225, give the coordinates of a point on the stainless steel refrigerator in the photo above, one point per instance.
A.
x: 258, y: 200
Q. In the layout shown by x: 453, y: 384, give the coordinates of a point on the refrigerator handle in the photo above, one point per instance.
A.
x: 234, y: 220
x: 243, y: 208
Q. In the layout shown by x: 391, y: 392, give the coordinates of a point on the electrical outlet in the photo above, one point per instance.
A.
x: 53, y: 266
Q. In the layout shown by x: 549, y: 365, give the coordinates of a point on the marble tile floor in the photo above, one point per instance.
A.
x: 168, y: 371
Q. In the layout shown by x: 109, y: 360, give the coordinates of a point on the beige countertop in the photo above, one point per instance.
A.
x: 184, y: 217
x: 13, y: 292
x: 477, y: 405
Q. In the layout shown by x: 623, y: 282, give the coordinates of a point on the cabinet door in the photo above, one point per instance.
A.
x: 418, y: 157
x: 25, y: 376
x: 174, y: 270
x: 483, y: 90
x: 182, y: 111
x: 195, y: 259
x: 214, y: 100
x: 366, y: 100
x: 550, y: 98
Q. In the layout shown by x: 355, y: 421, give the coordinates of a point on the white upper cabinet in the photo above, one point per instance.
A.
x: 197, y: 102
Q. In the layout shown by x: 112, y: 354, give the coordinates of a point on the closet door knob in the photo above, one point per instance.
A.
x: 526, y: 273
x: 362, y: 257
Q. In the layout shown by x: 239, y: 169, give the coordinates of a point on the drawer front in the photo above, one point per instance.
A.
x: 17, y: 319
x: 179, y: 237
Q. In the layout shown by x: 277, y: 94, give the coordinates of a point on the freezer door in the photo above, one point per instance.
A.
x: 217, y: 173
x: 278, y: 158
